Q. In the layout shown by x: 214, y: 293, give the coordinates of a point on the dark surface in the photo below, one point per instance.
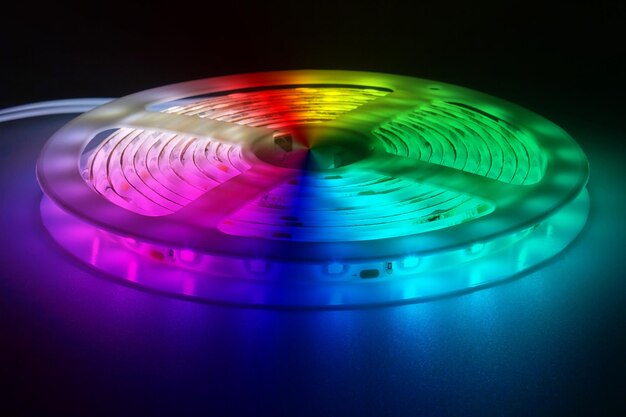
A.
x: 552, y: 343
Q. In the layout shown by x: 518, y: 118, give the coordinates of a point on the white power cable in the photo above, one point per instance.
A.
x: 43, y: 108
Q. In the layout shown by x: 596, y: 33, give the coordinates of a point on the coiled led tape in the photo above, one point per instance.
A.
x: 312, y: 188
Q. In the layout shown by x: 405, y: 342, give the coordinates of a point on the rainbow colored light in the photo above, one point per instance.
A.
x: 312, y: 188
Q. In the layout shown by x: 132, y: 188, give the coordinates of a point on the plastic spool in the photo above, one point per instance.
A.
x: 312, y: 189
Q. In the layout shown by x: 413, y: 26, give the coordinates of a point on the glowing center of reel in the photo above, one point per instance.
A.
x: 314, y: 148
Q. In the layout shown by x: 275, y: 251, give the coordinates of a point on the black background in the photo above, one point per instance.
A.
x: 536, y: 53
x: 565, y: 62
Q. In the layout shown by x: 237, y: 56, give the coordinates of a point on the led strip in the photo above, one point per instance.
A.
x: 312, y: 188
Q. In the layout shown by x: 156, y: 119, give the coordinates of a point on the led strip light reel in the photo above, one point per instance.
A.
x: 312, y: 189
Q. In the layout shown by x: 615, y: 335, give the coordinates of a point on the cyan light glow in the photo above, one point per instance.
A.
x: 312, y: 188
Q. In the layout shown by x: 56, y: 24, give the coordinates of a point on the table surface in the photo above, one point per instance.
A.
x: 74, y: 342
